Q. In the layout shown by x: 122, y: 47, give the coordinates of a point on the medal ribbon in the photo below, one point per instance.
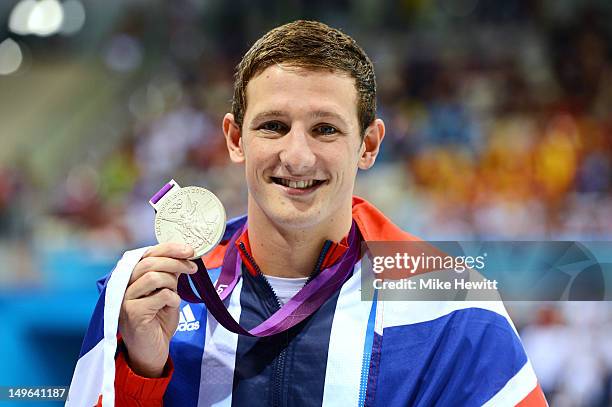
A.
x: 298, y: 308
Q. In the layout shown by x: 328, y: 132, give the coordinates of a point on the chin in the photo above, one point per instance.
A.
x: 294, y: 218
x: 297, y: 220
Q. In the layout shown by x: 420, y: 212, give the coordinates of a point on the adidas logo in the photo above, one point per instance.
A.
x: 187, y: 321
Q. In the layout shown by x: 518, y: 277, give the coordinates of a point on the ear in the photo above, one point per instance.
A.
x: 370, y: 146
x: 233, y: 138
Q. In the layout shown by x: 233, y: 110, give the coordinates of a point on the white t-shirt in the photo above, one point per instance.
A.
x: 285, y: 287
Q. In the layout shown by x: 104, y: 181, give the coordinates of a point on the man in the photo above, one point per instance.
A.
x: 302, y: 123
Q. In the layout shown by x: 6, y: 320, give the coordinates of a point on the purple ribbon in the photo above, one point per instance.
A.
x: 160, y: 194
x: 298, y: 308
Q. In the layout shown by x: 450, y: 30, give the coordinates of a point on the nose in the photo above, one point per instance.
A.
x: 297, y: 154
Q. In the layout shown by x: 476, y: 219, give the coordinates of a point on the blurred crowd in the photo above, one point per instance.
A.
x: 498, y: 127
x: 569, y: 347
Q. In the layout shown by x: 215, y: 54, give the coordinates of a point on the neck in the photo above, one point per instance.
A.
x: 291, y: 252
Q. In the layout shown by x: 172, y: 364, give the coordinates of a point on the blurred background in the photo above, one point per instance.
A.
x: 498, y: 118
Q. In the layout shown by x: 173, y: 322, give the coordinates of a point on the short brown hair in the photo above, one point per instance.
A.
x: 310, y: 45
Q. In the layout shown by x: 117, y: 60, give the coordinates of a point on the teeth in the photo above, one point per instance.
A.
x: 297, y: 184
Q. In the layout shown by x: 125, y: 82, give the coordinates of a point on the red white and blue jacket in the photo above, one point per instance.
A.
x: 350, y: 352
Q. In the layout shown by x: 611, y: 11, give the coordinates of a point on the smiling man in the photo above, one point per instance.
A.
x: 301, y: 142
x: 302, y: 124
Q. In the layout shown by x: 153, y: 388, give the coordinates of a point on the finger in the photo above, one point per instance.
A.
x: 170, y: 249
x: 151, y: 282
x: 166, y: 264
x: 159, y: 300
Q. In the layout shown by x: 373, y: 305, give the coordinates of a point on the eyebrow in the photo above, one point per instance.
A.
x: 317, y: 114
x: 268, y: 114
x: 322, y: 114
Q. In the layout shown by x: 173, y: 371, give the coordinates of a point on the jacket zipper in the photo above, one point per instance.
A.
x: 259, y: 273
x: 279, y: 365
x: 317, y: 268
x: 315, y: 272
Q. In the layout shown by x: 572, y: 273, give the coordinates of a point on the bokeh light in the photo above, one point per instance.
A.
x: 46, y: 18
x: 10, y: 57
x: 74, y: 17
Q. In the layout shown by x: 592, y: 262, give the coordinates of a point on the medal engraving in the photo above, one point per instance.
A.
x: 191, y: 215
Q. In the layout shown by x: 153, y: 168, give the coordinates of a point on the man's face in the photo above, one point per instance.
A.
x: 301, y: 144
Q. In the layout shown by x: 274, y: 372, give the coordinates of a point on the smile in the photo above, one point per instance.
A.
x: 301, y: 184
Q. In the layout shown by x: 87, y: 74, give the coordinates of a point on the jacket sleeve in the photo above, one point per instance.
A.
x: 132, y: 390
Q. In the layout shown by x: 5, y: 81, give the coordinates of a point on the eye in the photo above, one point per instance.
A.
x: 272, y: 127
x: 326, y: 130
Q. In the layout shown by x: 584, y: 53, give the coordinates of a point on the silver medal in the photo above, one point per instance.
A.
x: 190, y: 215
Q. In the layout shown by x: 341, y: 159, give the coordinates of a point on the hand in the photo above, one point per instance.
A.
x: 150, y: 310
